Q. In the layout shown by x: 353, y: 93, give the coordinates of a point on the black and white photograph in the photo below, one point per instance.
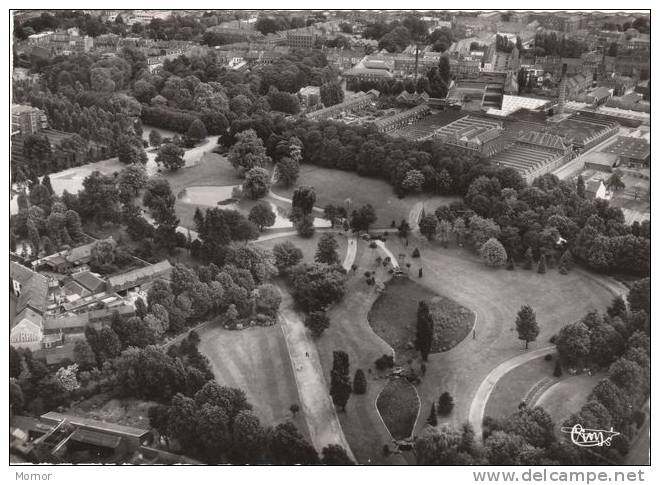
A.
x: 362, y: 235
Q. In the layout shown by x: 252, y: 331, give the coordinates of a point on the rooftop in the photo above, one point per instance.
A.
x: 633, y: 148
x: 95, y: 425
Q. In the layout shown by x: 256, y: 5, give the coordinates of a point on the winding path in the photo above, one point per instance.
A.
x: 478, y: 406
x: 322, y: 420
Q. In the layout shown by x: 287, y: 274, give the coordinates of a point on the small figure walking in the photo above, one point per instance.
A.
x: 421, y: 272
x: 306, y: 354
x: 474, y: 334
x: 406, y: 242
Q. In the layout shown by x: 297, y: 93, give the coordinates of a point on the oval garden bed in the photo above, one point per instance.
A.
x: 393, y: 316
x: 398, y: 405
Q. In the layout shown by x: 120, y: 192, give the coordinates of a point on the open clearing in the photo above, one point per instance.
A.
x: 128, y: 411
x: 336, y: 186
x: 398, y: 405
x: 257, y: 361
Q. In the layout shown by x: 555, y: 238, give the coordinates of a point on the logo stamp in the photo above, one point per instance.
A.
x: 590, y: 437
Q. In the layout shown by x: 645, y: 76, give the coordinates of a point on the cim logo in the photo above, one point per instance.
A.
x: 590, y: 437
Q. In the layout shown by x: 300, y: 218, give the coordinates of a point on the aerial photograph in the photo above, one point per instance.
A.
x: 330, y: 237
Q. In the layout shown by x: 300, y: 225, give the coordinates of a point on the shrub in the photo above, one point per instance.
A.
x: 359, y: 382
x: 445, y: 404
x: 541, y: 267
x: 548, y: 357
x: 317, y: 322
x: 415, y: 253
x: 384, y: 362
x: 557, y: 372
x: 509, y: 265
x: 373, y: 245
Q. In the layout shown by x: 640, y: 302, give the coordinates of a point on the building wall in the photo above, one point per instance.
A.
x: 27, y: 335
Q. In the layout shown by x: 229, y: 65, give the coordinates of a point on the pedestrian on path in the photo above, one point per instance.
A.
x: 306, y: 354
x: 474, y: 334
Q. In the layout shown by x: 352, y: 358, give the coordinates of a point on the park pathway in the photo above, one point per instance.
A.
x: 478, y: 406
x: 316, y: 404
x: 351, y: 252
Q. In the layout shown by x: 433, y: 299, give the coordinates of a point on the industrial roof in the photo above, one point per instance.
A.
x: 628, y: 147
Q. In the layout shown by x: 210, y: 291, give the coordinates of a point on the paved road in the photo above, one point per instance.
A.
x: 351, y: 252
x: 383, y: 248
x: 478, y: 406
x: 316, y: 404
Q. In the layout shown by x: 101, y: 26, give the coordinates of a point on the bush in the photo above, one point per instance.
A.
x: 415, y: 253
x: 373, y: 245
x: 557, y: 372
x: 509, y: 265
x: 445, y: 404
x: 359, y: 382
x: 384, y: 362
x: 317, y: 322
x: 548, y: 357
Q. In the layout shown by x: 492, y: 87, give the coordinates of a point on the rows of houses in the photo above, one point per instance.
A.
x: 59, y: 297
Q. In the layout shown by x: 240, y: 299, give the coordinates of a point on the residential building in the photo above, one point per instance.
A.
x: 301, y: 39
x: 139, y: 277
x: 27, y: 120
x: 42, y: 39
x: 310, y: 96
x: 358, y: 101
x: 31, y: 292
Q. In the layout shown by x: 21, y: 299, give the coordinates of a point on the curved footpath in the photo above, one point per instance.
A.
x: 478, y: 406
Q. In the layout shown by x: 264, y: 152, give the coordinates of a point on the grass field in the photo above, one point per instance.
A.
x: 394, y: 316
x: 257, y: 361
x: 398, y: 405
x: 336, y: 186
x: 514, y: 386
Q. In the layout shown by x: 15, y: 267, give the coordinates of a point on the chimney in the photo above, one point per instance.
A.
x: 562, y: 90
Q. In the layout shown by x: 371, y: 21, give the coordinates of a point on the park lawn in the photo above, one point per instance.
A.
x: 394, y: 316
x: 336, y: 186
x: 511, y: 389
x: 567, y: 396
x: 103, y: 407
x: 212, y: 169
x: 398, y: 405
x: 306, y: 245
x: 257, y: 361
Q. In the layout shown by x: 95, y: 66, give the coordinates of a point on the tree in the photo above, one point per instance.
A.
x: 639, y: 296
x: 131, y: 180
x: 170, y: 156
x: 326, y: 250
x: 305, y: 226
x: 287, y: 255
x: 404, y: 229
x: 493, y: 253
x: 615, y: 183
x: 262, y: 215
x: 331, y: 94
x: 248, y: 152
x: 197, y: 131
x: 428, y: 226
x: 581, y: 188
x: 413, y: 181
x: 286, y: 446
x: 83, y: 355
x: 67, y: 377
x: 618, y: 308
x: 362, y: 218
x: 335, y: 455
x: 268, y: 298
x: 574, y: 343
x: 155, y: 138
x: 317, y: 322
x: 425, y: 335
x: 257, y: 183
x: 433, y: 416
x: 359, y: 382
x: 526, y: 325
x: 130, y: 150
x: 542, y: 265
x: 302, y: 202
x: 287, y: 171
x: 445, y: 404
x: 99, y: 198
x: 529, y: 259
x: 340, y: 383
